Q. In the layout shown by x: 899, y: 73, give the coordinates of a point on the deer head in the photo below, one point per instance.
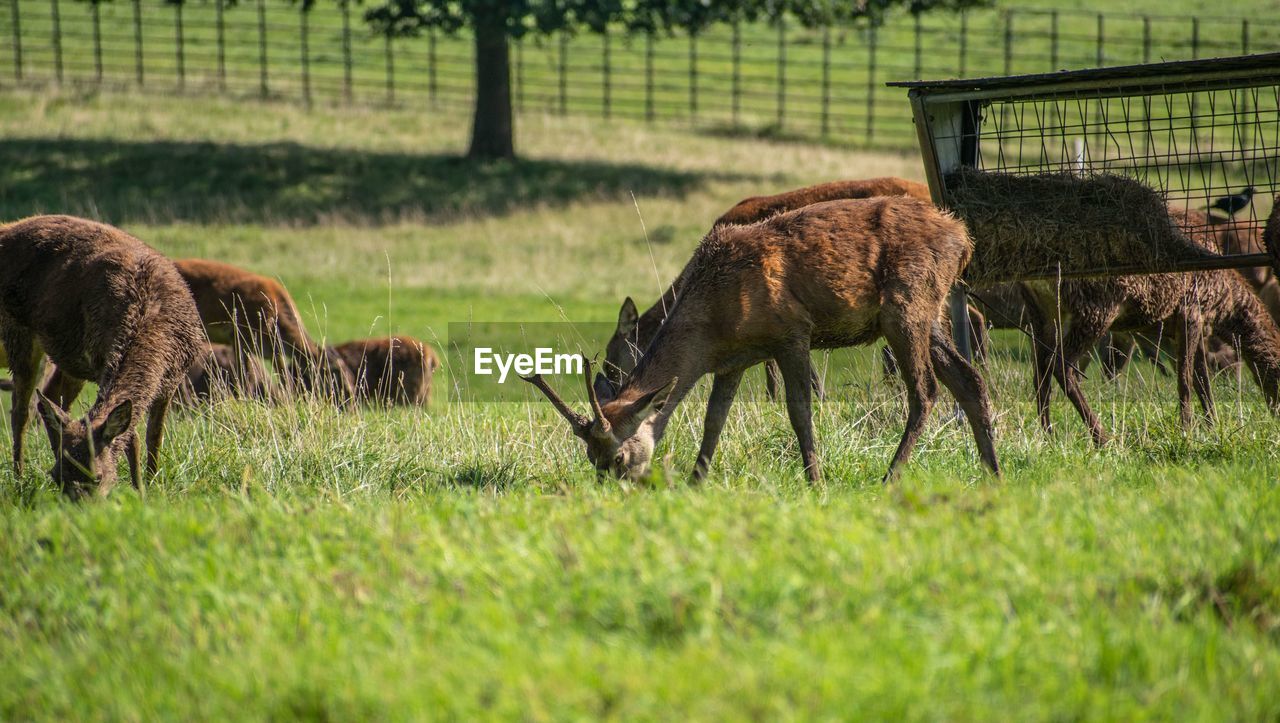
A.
x: 619, y: 434
x: 83, y: 454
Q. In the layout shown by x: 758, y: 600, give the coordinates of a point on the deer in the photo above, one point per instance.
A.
x: 218, y: 373
x: 256, y: 316
x: 1182, y: 305
x: 395, y: 370
x: 103, y: 307
x: 634, y: 331
x: 829, y: 275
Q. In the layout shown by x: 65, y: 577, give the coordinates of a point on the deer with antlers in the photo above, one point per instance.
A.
x: 103, y: 306
x: 830, y: 275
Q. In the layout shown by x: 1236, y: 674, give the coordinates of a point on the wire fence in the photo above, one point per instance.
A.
x: 779, y: 79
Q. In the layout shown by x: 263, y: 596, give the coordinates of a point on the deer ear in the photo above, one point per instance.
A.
x: 117, y: 422
x: 651, y: 403
x: 53, y: 415
x: 604, y: 388
x: 628, y: 317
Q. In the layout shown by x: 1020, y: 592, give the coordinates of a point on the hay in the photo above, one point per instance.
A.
x: 1025, y: 225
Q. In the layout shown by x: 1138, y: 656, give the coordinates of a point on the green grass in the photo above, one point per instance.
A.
x: 463, y: 562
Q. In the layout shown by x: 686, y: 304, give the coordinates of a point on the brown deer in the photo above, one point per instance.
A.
x: 634, y: 330
x: 218, y: 373
x: 255, y: 315
x: 1181, y: 304
x: 103, y: 306
x: 829, y: 275
x: 758, y: 208
x: 394, y: 370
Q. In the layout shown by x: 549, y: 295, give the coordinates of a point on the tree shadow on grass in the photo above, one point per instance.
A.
x: 164, y: 181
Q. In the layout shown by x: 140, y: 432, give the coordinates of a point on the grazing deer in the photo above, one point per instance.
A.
x: 758, y: 208
x: 218, y: 373
x: 634, y: 330
x: 829, y: 275
x: 104, y: 307
x: 256, y: 316
x: 1183, y: 304
x: 395, y: 370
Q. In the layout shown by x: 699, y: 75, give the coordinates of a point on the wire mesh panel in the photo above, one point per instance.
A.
x: 1204, y: 135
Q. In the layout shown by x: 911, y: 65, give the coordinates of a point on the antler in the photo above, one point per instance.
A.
x: 581, y: 425
x: 601, y: 423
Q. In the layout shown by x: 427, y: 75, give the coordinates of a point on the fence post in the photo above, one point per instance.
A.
x: 137, y: 39
x: 1053, y: 40
x: 1195, y: 38
x: 919, y: 55
x: 1101, y: 55
x: 693, y: 75
x: 1008, y: 42
x: 872, y: 45
x: 607, y: 100
x: 735, y: 91
x: 57, y: 38
x: 179, y: 50
x: 648, y: 76
x: 782, y: 72
x: 431, y: 66
x: 97, y: 42
x: 1146, y: 39
x: 391, y: 68
x: 1244, y: 36
x: 346, y: 52
x: 564, y: 71
x: 306, y: 54
x: 262, y: 46
x: 826, y: 80
x: 964, y: 41
x: 17, y: 40
x: 220, y: 41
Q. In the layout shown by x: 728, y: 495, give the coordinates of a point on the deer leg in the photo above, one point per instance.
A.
x: 966, y: 385
x: 1189, y: 348
x: 1044, y: 347
x: 1204, y: 383
x: 723, y: 389
x: 979, y: 339
x: 155, y: 431
x: 815, y: 381
x: 131, y: 454
x: 1082, y: 335
x: 63, y: 388
x: 910, y: 344
x: 772, y: 377
x: 25, y: 360
x: 797, y: 377
x: 1115, y: 352
x: 888, y: 363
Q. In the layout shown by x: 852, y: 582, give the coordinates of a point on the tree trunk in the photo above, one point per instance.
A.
x: 492, y: 131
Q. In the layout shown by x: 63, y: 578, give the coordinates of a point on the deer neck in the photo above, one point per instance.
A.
x: 679, y: 351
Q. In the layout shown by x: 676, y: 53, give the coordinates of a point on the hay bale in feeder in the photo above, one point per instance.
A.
x: 1271, y: 236
x: 1038, y: 224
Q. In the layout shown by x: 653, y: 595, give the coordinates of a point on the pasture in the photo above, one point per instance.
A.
x: 464, y: 562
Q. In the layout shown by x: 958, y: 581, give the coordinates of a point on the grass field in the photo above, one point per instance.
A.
x: 463, y: 562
